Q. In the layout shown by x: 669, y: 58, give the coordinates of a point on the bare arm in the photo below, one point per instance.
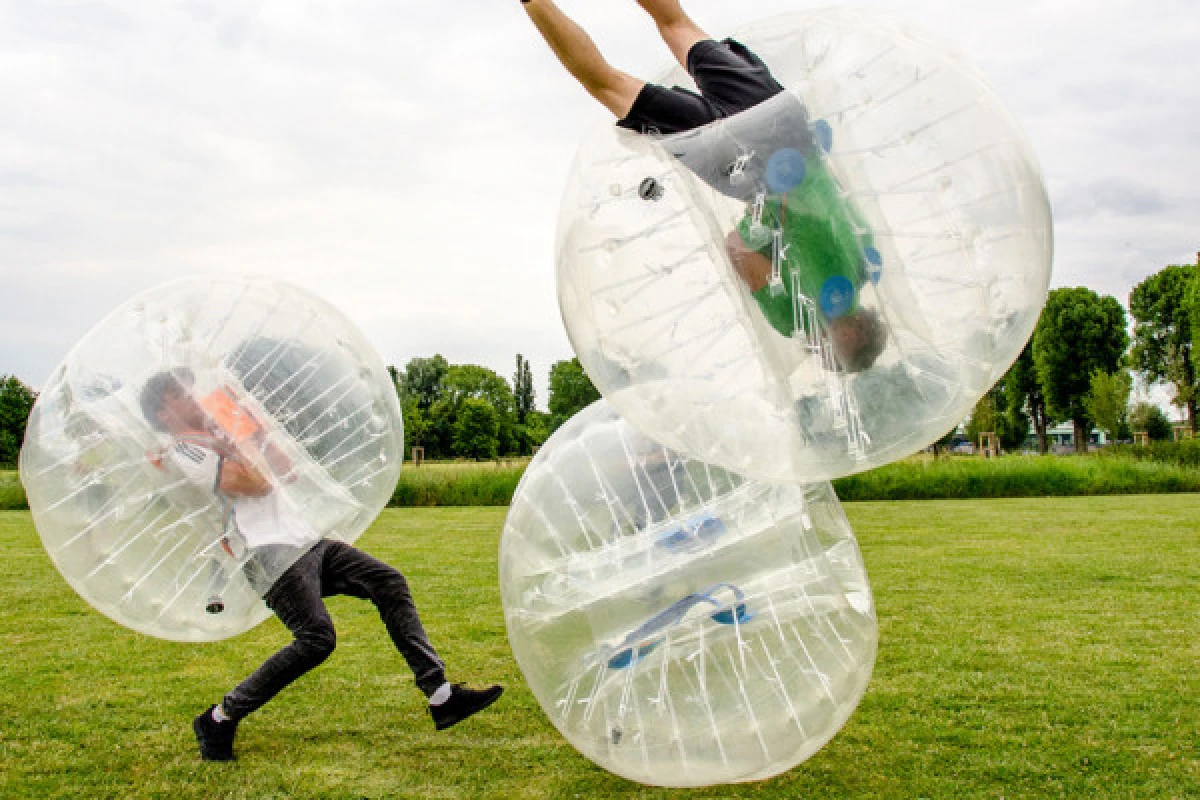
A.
x: 239, y: 479
x: 615, y: 89
x: 278, y: 461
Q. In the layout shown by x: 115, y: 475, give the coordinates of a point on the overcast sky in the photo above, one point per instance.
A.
x: 405, y: 159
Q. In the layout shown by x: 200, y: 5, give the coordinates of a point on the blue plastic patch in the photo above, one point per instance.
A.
x: 628, y: 656
x: 738, y: 614
x: 639, y: 643
x: 785, y: 170
x: 824, y: 134
x: 874, y: 264
x: 837, y: 296
x: 695, y: 533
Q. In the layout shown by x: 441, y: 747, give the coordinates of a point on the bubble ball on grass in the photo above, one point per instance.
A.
x: 283, y: 381
x: 679, y: 624
x: 824, y: 283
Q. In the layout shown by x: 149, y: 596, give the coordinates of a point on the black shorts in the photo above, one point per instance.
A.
x: 730, y: 77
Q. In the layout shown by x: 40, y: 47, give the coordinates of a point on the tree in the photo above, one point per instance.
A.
x: 466, y: 381
x: 984, y: 418
x: 422, y: 380
x: 1108, y: 402
x: 1025, y: 397
x: 438, y: 433
x: 536, y: 429
x: 1079, y: 332
x: 476, y: 430
x: 570, y: 391
x: 994, y: 413
x: 416, y: 426
x: 1192, y: 307
x: 523, y: 389
x: 16, y: 402
x: 1150, y: 419
x: 1163, y: 336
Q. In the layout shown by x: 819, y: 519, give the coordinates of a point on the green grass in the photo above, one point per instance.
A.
x: 1034, y: 648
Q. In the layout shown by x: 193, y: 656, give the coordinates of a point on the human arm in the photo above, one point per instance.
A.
x: 752, y: 267
x: 278, y: 461
x: 210, y: 464
x: 245, y: 433
x: 241, y: 479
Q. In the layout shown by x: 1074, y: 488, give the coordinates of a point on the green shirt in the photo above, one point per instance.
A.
x: 823, y: 241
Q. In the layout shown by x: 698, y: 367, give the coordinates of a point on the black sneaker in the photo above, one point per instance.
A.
x: 463, y: 703
x: 215, y: 738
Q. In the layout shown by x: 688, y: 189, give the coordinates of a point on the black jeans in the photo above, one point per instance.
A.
x: 333, y: 568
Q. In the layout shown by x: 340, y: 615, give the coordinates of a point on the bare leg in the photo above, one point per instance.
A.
x: 615, y: 90
x: 676, y: 27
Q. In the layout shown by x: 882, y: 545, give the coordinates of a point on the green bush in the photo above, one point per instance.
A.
x: 1184, y: 454
x: 1165, y: 469
x: 1016, y: 476
x: 457, y: 485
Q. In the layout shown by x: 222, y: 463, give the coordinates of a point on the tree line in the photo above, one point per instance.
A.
x: 1080, y: 364
x: 451, y: 410
x: 469, y: 411
x: 16, y: 401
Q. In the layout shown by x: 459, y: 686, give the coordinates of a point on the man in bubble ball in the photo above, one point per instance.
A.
x: 208, y: 454
x: 798, y: 249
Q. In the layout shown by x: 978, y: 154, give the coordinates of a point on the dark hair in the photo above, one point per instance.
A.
x: 874, y: 339
x: 172, y: 381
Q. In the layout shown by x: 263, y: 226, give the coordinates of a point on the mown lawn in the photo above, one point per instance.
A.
x: 1029, y: 648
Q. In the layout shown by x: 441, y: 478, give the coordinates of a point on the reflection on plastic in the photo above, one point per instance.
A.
x: 680, y: 624
x: 824, y: 283
x: 273, y: 382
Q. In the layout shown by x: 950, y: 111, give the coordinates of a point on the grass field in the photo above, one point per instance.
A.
x: 1029, y: 648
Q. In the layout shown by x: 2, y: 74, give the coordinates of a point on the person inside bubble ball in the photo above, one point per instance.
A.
x: 799, y: 236
x: 208, y: 452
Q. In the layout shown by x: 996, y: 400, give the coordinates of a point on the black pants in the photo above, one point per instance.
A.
x: 334, y: 568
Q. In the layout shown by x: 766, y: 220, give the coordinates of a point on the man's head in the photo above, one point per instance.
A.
x: 168, y: 404
x: 858, y: 339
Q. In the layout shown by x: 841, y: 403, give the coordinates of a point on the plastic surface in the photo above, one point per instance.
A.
x: 681, y: 625
x: 131, y: 514
x: 894, y: 214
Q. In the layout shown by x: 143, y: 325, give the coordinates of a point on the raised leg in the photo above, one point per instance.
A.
x: 675, y: 26
x: 352, y: 572
x: 615, y: 89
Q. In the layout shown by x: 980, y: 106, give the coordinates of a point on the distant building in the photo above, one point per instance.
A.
x: 1062, y: 438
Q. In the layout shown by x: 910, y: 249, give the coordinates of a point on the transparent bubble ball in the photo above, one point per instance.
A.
x: 285, y: 383
x: 679, y: 624
x: 824, y: 283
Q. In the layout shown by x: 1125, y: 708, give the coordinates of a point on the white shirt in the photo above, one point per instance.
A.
x: 270, y: 519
